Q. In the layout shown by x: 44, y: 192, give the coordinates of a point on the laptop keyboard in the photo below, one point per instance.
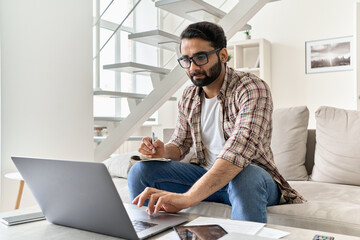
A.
x: 141, y: 226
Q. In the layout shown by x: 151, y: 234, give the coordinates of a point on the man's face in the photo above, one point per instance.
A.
x: 205, y: 74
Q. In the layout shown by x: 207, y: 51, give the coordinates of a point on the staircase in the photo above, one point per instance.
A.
x: 166, y: 81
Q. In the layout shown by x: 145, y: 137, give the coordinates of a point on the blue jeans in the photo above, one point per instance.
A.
x: 249, y: 193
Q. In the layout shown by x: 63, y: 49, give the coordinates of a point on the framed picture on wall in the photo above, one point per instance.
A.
x: 329, y: 55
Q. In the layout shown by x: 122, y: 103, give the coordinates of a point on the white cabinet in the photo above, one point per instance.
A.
x: 253, y: 56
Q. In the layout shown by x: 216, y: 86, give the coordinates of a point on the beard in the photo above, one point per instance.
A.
x: 214, y: 73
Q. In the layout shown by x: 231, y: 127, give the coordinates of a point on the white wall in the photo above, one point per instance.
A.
x: 46, y: 88
x: 0, y: 93
x: 357, y: 51
x: 288, y: 24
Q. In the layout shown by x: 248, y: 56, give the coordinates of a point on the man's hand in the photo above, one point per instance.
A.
x: 147, y: 146
x: 160, y: 200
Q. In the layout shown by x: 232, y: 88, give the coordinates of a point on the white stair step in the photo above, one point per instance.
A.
x: 115, y: 119
x: 119, y: 94
x: 123, y: 95
x: 157, y: 38
x: 108, y: 119
x: 193, y: 10
x: 99, y: 139
x: 132, y: 67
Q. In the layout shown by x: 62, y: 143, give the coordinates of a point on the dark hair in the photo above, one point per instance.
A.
x: 207, y: 31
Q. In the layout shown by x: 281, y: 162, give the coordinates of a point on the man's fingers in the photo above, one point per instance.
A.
x: 136, y: 200
x: 144, y: 149
x: 143, y: 196
x: 148, y: 142
x: 152, y: 201
x: 158, y: 143
x: 159, y: 200
x: 141, y: 200
x: 159, y: 204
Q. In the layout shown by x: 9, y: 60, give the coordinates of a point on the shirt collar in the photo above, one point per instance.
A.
x: 225, y: 83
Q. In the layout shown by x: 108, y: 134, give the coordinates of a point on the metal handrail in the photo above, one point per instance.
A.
x: 115, y: 31
x: 103, y: 12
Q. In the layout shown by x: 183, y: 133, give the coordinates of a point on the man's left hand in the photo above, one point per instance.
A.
x: 160, y: 200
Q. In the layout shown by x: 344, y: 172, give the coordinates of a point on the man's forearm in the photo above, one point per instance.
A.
x: 221, y: 173
x: 172, y: 152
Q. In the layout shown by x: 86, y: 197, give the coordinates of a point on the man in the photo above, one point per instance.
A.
x: 228, y: 115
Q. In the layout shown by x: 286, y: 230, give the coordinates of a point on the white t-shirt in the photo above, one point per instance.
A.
x: 212, y: 134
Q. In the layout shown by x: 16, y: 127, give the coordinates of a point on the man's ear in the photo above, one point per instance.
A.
x: 223, y: 54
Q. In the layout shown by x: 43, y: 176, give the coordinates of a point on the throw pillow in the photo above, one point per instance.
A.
x: 337, y: 152
x: 119, y: 165
x: 288, y: 141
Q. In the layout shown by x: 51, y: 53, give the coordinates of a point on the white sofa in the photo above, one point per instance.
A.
x: 323, y: 165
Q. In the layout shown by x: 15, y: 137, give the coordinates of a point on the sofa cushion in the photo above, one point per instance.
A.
x: 288, y: 141
x: 326, y: 202
x: 122, y: 188
x: 337, y: 153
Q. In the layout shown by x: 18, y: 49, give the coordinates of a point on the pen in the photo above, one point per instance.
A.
x: 153, y: 140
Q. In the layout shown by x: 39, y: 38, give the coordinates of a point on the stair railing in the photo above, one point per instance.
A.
x: 118, y: 27
x: 102, y: 14
x: 96, y: 58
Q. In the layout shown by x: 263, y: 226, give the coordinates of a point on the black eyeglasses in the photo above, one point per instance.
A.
x: 199, y: 59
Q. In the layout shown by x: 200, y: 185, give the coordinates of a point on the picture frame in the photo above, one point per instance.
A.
x: 328, y: 55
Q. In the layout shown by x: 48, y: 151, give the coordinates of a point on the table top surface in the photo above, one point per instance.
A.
x: 14, y: 175
x: 44, y: 229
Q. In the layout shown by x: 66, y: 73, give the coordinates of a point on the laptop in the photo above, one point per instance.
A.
x: 82, y: 195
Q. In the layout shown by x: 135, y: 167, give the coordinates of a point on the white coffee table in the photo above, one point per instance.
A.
x: 45, y: 230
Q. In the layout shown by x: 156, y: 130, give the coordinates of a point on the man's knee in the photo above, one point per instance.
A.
x: 254, y: 184
x: 147, y: 171
x: 251, y: 176
x: 137, y: 169
x: 141, y: 175
x: 250, y: 192
x: 140, y: 171
x: 135, y: 172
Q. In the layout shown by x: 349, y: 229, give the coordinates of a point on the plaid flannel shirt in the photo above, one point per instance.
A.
x: 246, y: 117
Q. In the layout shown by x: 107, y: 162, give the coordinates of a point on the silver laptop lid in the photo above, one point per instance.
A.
x: 77, y: 194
